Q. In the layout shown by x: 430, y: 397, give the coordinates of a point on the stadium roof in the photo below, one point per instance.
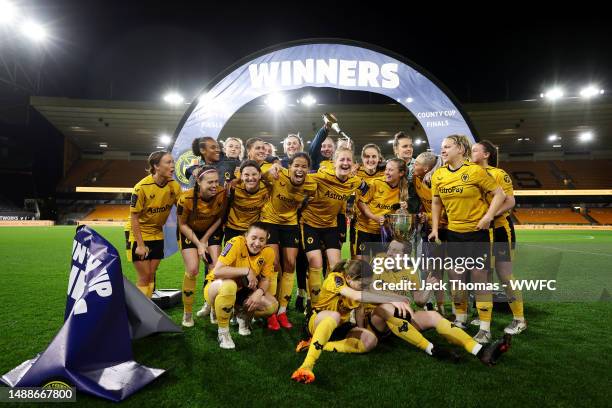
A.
x: 518, y: 127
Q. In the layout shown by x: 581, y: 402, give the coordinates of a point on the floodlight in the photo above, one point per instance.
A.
x: 276, y: 101
x: 34, y: 31
x: 585, y: 137
x: 308, y: 100
x: 553, y: 94
x: 173, y: 98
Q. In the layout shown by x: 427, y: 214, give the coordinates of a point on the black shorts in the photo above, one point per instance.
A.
x: 504, y: 241
x: 156, y: 249
x: 313, y: 238
x: 230, y: 233
x: 380, y: 335
x: 286, y: 236
x: 432, y: 249
x: 472, y: 244
x: 362, y: 239
x: 186, y: 243
x: 242, y: 295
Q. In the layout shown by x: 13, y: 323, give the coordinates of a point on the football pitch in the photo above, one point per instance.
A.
x: 563, y: 359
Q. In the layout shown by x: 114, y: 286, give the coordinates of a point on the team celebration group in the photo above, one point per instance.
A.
x: 260, y: 222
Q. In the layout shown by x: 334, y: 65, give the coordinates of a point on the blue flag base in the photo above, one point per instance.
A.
x: 93, y: 349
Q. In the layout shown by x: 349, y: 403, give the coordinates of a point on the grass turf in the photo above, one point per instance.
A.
x: 562, y: 360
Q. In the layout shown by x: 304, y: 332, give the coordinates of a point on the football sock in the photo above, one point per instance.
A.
x: 286, y: 288
x: 407, y: 332
x: 224, y: 302
x: 348, y: 345
x: 189, y: 284
x: 484, y: 304
x: 455, y: 335
x: 273, y: 283
x: 460, y: 305
x: 314, y: 283
x: 516, y: 302
x: 321, y: 335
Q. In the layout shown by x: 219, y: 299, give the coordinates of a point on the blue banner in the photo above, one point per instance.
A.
x: 337, y: 64
x: 93, y: 350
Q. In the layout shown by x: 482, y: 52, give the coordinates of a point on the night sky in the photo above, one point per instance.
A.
x: 134, y: 50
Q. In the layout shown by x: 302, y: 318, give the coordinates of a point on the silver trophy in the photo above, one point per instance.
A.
x: 329, y: 118
x: 400, y: 225
x: 345, y: 140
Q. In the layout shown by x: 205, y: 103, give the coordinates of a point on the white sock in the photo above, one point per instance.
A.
x: 429, y: 349
x: 486, y: 326
x: 520, y: 319
x: 223, y: 329
x: 282, y: 309
x: 476, y: 349
x: 461, y: 318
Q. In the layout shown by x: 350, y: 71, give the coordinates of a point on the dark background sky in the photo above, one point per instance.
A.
x: 136, y: 50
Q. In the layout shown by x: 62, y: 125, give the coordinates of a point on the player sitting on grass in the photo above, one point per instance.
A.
x: 383, y: 321
x: 240, y: 279
x: 341, y: 292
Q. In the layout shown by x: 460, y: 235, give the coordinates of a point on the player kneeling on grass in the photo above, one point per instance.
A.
x: 240, y: 279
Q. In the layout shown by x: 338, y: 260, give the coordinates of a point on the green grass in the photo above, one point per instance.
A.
x: 562, y: 360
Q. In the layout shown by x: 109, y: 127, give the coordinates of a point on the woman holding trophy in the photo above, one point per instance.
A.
x: 383, y: 197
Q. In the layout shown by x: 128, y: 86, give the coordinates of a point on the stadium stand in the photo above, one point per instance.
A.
x: 533, y: 175
x: 6, y: 205
x: 549, y: 216
x: 103, y: 173
x: 601, y: 215
x: 585, y: 174
x: 559, y: 174
x: 108, y: 212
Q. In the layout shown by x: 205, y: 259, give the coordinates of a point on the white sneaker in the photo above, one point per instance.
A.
x: 483, y: 337
x: 244, y: 328
x: 460, y: 324
x: 213, y: 317
x: 475, y: 322
x: 204, y: 311
x: 187, y: 320
x: 516, y: 327
x: 225, y: 340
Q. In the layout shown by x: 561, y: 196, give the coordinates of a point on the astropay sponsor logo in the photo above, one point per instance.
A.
x: 350, y: 73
